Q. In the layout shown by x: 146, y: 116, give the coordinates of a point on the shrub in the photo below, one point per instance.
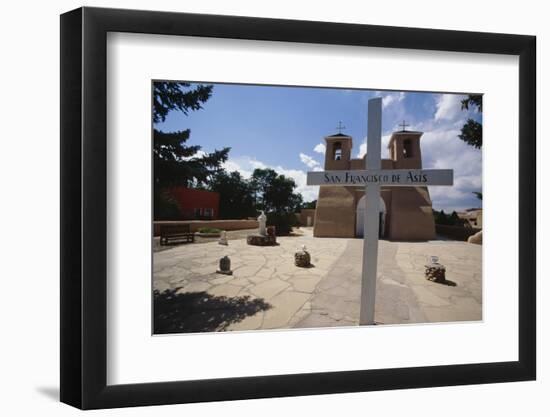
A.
x: 283, y: 222
x: 209, y: 230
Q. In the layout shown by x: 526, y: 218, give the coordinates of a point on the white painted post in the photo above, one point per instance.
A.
x: 372, y: 218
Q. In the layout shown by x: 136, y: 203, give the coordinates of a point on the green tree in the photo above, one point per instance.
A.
x: 275, y: 192
x: 260, y: 182
x: 478, y: 194
x: 236, y: 195
x: 454, y: 219
x: 440, y: 217
x: 472, y: 100
x: 176, y: 163
x: 472, y: 131
x: 283, y: 222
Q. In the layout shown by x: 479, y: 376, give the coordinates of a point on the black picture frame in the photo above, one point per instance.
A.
x: 84, y: 207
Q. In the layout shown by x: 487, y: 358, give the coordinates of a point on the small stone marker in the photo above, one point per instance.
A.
x: 435, y: 271
x: 302, y: 258
x: 225, y: 266
x: 223, y: 238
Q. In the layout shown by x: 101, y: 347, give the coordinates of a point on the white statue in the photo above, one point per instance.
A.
x: 261, y: 222
x: 223, y: 238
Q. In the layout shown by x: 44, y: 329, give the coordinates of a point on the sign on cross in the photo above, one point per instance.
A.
x: 372, y: 178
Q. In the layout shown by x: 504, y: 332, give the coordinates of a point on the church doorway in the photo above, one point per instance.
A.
x: 360, y: 217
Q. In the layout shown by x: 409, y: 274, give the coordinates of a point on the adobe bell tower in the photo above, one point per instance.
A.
x: 338, y: 152
x: 405, y: 150
x: 335, y: 209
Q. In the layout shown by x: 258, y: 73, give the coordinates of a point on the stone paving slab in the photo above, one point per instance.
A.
x: 267, y: 291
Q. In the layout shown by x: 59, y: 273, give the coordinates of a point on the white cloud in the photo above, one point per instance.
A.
x: 244, y: 165
x: 442, y: 149
x: 310, y: 162
x: 391, y: 98
x: 362, y: 150
x: 448, y: 107
x: 320, y: 148
x: 199, y: 154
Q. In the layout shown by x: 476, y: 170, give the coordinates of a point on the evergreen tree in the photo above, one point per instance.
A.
x: 454, y: 219
x: 176, y: 163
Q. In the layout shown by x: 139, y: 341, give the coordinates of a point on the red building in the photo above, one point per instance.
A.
x: 196, y: 204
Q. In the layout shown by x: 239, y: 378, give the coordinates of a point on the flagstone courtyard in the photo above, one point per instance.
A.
x: 267, y: 291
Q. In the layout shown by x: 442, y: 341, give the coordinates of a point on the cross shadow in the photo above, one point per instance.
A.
x: 193, y: 312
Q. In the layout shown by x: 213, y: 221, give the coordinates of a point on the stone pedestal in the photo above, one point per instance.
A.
x: 302, y: 258
x: 435, y: 273
x: 259, y: 240
x: 223, y: 238
x: 225, y: 266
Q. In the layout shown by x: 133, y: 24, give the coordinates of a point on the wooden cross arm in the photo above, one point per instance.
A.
x: 384, y: 177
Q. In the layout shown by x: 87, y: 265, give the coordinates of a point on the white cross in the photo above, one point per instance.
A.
x: 372, y: 178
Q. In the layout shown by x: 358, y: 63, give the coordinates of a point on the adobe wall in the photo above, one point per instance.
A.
x: 190, y: 199
x: 456, y: 232
x: 411, y: 214
x: 304, y: 214
x: 335, y: 212
x: 195, y: 225
x: 358, y: 164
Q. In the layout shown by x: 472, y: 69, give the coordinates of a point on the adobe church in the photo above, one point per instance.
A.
x: 405, y: 212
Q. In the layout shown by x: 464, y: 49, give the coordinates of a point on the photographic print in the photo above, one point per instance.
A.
x: 279, y: 197
x: 288, y: 207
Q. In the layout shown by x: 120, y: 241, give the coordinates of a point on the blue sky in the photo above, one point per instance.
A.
x: 283, y: 128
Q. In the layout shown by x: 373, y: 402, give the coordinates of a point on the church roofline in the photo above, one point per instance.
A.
x: 338, y: 135
x: 403, y: 132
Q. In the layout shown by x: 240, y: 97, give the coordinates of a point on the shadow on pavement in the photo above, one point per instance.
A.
x: 201, y: 312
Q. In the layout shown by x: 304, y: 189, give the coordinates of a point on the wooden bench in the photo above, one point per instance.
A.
x: 175, y: 233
